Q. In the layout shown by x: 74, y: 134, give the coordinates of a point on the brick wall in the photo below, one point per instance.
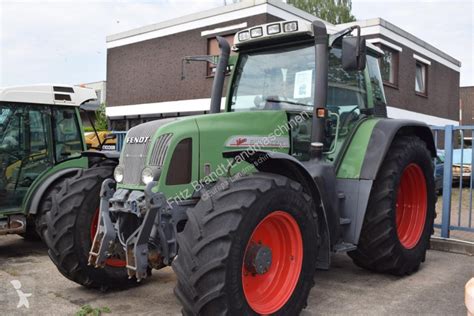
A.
x: 466, y: 95
x: 442, y: 98
x: 150, y: 71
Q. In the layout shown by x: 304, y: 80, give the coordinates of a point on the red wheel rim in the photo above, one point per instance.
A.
x: 267, y: 293
x: 110, y: 262
x: 411, y: 206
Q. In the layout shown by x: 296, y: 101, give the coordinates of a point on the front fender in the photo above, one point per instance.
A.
x: 286, y: 165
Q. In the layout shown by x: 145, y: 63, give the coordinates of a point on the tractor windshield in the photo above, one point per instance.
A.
x: 284, y: 79
x: 277, y: 79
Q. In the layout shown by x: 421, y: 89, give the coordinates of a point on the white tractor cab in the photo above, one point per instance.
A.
x: 41, y: 142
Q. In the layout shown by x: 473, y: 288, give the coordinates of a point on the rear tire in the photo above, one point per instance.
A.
x: 212, y: 276
x: 68, y: 233
x: 394, y: 239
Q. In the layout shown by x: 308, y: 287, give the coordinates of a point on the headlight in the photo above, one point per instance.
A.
x: 243, y: 36
x: 118, y: 174
x: 147, y: 175
x: 291, y: 26
x: 273, y: 29
x: 256, y: 32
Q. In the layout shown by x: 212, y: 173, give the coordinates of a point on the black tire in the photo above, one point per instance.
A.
x: 380, y: 248
x: 45, y: 207
x: 36, y: 224
x: 68, y: 233
x: 213, y: 242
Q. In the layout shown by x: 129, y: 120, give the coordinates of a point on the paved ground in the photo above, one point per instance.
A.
x: 437, y: 289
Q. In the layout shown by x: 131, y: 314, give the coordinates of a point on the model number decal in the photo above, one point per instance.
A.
x: 260, y: 141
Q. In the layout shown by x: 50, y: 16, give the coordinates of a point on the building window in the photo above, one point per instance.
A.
x: 213, y: 50
x: 389, y: 66
x: 420, y: 78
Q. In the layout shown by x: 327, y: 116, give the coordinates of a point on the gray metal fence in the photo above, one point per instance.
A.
x: 120, y: 137
x: 454, y: 208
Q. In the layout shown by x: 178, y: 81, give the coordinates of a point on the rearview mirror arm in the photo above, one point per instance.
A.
x: 93, y: 127
x: 334, y: 37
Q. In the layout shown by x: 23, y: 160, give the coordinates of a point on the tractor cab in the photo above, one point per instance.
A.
x: 282, y: 76
x: 39, y: 128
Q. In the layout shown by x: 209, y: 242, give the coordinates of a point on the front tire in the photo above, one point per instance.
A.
x: 70, y: 230
x: 399, y: 218
x: 36, y: 224
x: 249, y: 249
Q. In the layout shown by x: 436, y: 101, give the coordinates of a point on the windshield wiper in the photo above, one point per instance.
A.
x: 287, y: 101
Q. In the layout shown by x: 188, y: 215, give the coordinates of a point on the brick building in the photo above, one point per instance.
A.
x: 466, y: 105
x: 144, y: 65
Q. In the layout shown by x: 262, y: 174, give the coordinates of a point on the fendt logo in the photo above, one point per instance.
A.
x: 137, y: 140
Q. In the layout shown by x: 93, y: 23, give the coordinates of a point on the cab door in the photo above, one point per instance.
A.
x: 67, y: 137
x: 24, y: 149
x: 346, y: 103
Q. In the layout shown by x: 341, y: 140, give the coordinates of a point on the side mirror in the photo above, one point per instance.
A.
x: 353, y: 53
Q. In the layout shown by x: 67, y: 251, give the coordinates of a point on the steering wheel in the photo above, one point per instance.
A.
x: 348, y: 116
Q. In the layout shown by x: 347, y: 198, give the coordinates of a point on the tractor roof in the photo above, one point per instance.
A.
x: 48, y: 94
x: 283, y: 29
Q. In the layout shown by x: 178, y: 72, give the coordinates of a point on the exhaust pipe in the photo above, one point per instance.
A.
x: 219, y: 77
x: 321, y: 87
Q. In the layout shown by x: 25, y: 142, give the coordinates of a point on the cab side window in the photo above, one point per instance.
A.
x: 346, y: 89
x: 24, y: 149
x: 346, y: 100
x: 67, y: 135
x: 37, y: 119
x: 11, y: 119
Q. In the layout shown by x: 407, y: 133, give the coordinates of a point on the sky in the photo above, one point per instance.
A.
x: 63, y: 41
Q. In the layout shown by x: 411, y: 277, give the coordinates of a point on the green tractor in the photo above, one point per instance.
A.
x: 246, y: 205
x: 41, y: 144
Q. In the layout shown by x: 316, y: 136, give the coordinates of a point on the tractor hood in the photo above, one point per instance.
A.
x: 185, y: 150
x: 237, y: 131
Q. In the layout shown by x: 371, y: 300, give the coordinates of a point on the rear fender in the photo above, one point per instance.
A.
x: 383, y: 134
x: 35, y: 201
x: 357, y: 190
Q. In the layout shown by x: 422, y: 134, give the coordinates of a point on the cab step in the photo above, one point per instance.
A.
x: 344, y: 221
x: 344, y: 247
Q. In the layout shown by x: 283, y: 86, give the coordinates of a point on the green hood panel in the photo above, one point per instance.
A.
x: 259, y: 130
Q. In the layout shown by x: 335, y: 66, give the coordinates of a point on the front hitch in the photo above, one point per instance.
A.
x: 137, y: 244
x: 106, y: 235
x: 152, y: 243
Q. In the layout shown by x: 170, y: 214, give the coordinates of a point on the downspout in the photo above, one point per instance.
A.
x: 219, y: 77
x: 320, y: 90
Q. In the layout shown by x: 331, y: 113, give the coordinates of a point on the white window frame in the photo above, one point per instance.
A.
x: 424, y: 73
